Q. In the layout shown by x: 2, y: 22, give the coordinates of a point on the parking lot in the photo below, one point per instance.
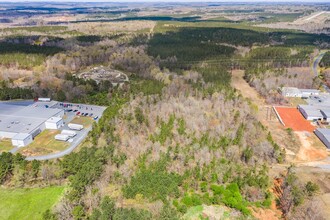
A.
x: 81, y: 110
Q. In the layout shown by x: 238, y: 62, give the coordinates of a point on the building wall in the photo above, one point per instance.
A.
x: 4, y: 134
x: 324, y: 140
x: 287, y: 94
x: 22, y: 143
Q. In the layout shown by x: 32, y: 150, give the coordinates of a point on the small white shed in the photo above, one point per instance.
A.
x: 21, y: 139
x: 54, y: 123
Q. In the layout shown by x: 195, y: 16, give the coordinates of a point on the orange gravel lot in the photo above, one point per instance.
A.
x: 292, y: 118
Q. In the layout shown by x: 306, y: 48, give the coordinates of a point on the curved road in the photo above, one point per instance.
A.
x: 316, y: 62
x: 73, y: 145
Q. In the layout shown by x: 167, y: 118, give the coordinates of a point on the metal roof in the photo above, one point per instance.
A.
x: 310, y: 90
x: 54, y: 119
x: 20, y: 119
x: 21, y: 136
x: 311, y: 110
x: 324, y: 131
x: 290, y: 90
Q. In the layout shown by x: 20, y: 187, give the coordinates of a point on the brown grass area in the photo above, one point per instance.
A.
x: 85, y: 121
x: 102, y: 28
x: 5, y: 145
x: 295, y: 101
x: 44, y: 143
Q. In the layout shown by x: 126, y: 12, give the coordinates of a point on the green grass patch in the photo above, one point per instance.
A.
x: 5, y: 145
x: 28, y: 203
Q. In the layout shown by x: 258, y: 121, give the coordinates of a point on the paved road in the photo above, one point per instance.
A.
x: 316, y: 63
x: 73, y: 145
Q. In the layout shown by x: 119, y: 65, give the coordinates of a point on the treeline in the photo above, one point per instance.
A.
x: 7, y: 93
x: 260, y: 60
x: 198, y: 44
x: 325, y: 62
x: 42, y: 29
x: 6, y: 48
x: 25, y: 56
x: 16, y: 168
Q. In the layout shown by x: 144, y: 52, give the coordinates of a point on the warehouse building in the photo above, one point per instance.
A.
x: 301, y: 93
x: 309, y: 92
x: 23, y: 123
x: 54, y: 123
x: 326, y: 114
x: 21, y: 139
x: 310, y: 112
x: 290, y: 92
x: 324, y: 135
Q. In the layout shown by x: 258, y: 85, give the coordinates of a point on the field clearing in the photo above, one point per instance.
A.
x: 27, y: 203
x: 292, y: 118
x: 295, y: 101
x: 44, y: 143
x: 5, y: 145
x: 85, y: 121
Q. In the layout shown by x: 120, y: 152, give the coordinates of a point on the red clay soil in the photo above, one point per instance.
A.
x: 292, y: 118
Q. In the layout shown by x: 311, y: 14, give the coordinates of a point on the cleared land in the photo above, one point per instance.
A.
x: 292, y: 118
x: 44, y: 143
x: 27, y: 203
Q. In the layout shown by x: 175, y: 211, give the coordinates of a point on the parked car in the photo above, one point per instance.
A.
x: 78, y: 113
x: 91, y: 114
x: 86, y: 114
x: 96, y: 117
x: 75, y: 110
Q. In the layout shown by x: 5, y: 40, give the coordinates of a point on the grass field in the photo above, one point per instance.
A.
x: 295, y: 101
x: 85, y: 121
x: 5, y: 145
x: 27, y: 203
x: 44, y: 143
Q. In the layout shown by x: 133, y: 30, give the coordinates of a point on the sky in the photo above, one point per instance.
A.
x: 268, y: 1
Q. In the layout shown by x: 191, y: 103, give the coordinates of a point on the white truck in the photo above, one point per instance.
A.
x: 70, y: 133
x: 77, y: 127
x: 62, y: 137
x: 44, y: 99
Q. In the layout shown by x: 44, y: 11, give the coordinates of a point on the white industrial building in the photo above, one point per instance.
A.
x: 309, y: 92
x: 310, y: 112
x: 290, y: 92
x: 324, y: 135
x: 295, y: 92
x: 54, y: 123
x: 21, y: 139
x: 23, y: 123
